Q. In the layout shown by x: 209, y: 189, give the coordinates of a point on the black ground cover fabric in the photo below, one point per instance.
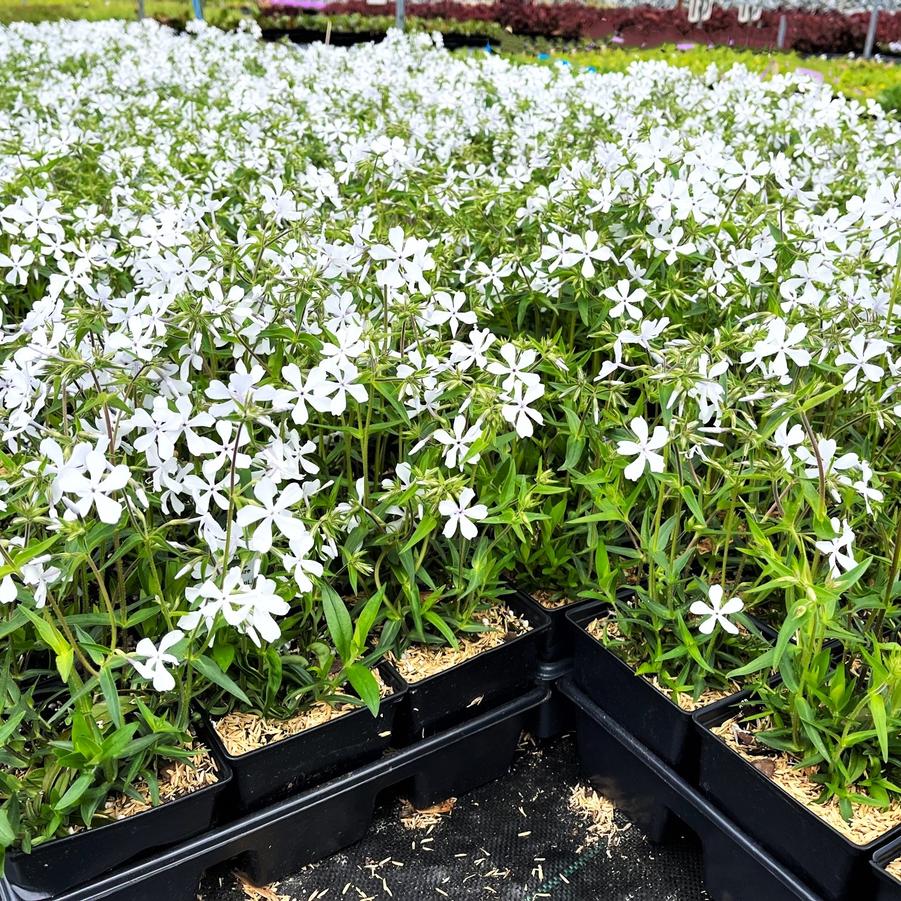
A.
x: 515, y: 839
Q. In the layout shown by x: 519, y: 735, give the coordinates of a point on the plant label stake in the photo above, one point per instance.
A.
x: 140, y: 10
x: 871, y: 32
x: 198, y: 9
x: 399, y: 15
x: 780, y: 35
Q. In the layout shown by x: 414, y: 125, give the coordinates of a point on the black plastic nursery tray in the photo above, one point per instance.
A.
x: 648, y: 791
x: 525, y: 837
x: 283, y: 837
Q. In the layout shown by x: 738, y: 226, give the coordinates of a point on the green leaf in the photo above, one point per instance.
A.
x: 366, y: 620
x: 73, y: 793
x: 339, y: 623
x: 64, y: 663
x: 50, y: 635
x: 208, y: 668
x: 7, y: 834
x: 223, y: 653
x: 365, y: 685
x: 110, y: 696
x: 442, y: 627
x: 10, y: 726
x: 764, y: 662
x: 877, y: 711
x: 426, y: 527
x: 689, y: 497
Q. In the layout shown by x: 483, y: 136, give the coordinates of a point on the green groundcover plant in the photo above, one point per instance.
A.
x: 305, y: 355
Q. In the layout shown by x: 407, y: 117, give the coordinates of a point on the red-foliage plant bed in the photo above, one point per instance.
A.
x: 808, y: 32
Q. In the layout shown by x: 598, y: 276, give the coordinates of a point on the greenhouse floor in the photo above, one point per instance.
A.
x: 517, y: 838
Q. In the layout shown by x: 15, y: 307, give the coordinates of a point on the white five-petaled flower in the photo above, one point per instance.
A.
x: 458, y: 443
x: 299, y: 563
x: 240, y: 391
x: 625, y: 300
x: 585, y: 250
x: 311, y: 390
x: 274, y: 509
x: 517, y: 411
x: 95, y: 488
x: 155, y: 660
x: 780, y: 343
x: 708, y: 392
x: 839, y: 549
x: 248, y: 608
x: 859, y: 356
x: 644, y: 449
x: 515, y: 367
x: 254, y: 609
x: 39, y: 577
x: 342, y: 386
x: 17, y: 262
x: 717, y: 611
x: 786, y: 438
x: 448, y: 309
x: 462, y: 514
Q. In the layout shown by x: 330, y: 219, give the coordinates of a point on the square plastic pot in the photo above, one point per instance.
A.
x: 475, y: 685
x: 888, y: 888
x: 832, y: 864
x: 284, y: 767
x: 58, y: 865
x: 660, y: 725
x: 647, y: 713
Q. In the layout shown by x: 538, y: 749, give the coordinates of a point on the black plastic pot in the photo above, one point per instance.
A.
x: 283, y: 768
x: 832, y: 864
x: 735, y: 867
x: 282, y: 837
x: 558, y: 639
x: 888, y: 888
x: 58, y: 865
x: 660, y: 725
x: 473, y: 686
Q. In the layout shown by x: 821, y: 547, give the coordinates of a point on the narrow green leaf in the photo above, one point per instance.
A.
x: 208, y: 668
x: 365, y: 685
x: 338, y: 620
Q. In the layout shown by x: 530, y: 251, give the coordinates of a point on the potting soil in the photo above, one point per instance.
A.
x: 515, y: 839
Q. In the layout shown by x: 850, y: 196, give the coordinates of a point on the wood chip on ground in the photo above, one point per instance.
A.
x: 412, y: 818
x: 552, y: 600
x: 259, y: 892
x: 598, y: 813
